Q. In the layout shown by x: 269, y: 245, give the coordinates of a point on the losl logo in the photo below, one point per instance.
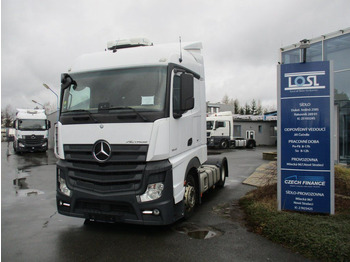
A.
x: 304, y: 80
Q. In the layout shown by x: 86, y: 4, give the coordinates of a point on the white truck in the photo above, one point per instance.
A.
x: 131, y: 136
x: 31, y: 131
x: 220, y: 132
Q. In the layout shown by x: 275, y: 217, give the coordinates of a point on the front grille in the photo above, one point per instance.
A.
x: 122, y: 172
x: 34, y: 140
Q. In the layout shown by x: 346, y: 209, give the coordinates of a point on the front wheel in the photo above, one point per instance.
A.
x: 190, y: 197
x: 224, y: 144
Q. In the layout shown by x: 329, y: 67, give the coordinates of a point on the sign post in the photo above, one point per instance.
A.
x: 305, y: 148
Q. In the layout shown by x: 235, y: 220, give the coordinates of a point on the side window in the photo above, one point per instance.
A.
x: 220, y: 124
x: 76, y: 98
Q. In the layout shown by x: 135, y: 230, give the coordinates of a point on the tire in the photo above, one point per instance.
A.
x: 190, y: 197
x: 250, y: 144
x: 224, y: 144
x: 88, y: 222
x: 15, y: 149
x: 223, y: 174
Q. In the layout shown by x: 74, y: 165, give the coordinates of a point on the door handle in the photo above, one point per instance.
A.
x: 189, y: 142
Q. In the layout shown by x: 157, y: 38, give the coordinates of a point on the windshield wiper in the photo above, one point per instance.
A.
x: 82, y: 111
x: 128, y: 108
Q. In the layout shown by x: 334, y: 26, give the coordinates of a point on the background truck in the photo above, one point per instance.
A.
x: 131, y: 136
x: 31, y: 130
x: 220, y: 132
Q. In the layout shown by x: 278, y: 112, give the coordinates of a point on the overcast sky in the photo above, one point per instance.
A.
x: 241, y: 38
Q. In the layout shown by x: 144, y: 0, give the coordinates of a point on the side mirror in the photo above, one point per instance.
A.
x: 187, y: 92
x: 67, y: 80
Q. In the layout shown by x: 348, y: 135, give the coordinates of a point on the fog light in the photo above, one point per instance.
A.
x: 63, y: 186
x: 153, y: 192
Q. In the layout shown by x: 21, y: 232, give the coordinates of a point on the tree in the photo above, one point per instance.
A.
x: 49, y: 108
x: 225, y: 100
x: 247, y: 109
x: 7, y: 116
x: 253, y: 107
x: 236, y: 106
x: 259, y: 110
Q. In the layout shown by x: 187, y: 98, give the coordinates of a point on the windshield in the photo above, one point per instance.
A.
x: 137, y: 89
x: 32, y: 124
x: 210, y: 125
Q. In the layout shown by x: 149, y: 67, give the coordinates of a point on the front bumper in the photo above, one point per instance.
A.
x: 123, y: 206
x: 31, y: 147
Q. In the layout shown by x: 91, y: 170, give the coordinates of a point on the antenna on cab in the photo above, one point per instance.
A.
x: 180, y: 59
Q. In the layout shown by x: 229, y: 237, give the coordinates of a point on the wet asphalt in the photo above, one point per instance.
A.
x: 32, y: 230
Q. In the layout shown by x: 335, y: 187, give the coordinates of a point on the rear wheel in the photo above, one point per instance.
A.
x: 190, y: 197
x: 223, y: 174
x: 250, y: 144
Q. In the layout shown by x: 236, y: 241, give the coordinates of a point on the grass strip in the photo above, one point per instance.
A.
x: 315, y: 236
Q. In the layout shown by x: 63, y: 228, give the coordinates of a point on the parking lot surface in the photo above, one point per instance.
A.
x: 32, y: 230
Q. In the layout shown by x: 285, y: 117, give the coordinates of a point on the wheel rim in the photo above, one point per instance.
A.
x: 223, y: 144
x: 190, y: 196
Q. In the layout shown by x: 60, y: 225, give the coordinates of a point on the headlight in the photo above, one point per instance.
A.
x: 45, y: 144
x: 153, y: 192
x: 20, y: 144
x: 62, y: 184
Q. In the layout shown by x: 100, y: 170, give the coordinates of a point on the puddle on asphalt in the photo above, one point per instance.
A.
x: 21, y: 186
x: 202, y: 234
x: 196, y: 232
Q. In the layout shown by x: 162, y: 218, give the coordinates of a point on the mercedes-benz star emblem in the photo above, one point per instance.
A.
x: 102, y: 151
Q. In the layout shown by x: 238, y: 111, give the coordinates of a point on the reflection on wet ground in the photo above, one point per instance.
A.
x: 21, y: 187
x: 25, y: 162
x: 198, y: 232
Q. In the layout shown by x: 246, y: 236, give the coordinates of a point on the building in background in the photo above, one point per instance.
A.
x: 219, y: 107
x: 331, y: 47
x: 264, y: 127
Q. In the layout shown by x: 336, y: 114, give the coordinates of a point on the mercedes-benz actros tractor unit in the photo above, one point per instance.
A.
x: 131, y: 135
x: 31, y: 131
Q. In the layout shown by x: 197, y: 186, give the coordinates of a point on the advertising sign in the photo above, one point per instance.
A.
x: 305, y: 161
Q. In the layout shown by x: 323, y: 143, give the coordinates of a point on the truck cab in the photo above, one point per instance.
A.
x: 220, y: 132
x: 131, y: 134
